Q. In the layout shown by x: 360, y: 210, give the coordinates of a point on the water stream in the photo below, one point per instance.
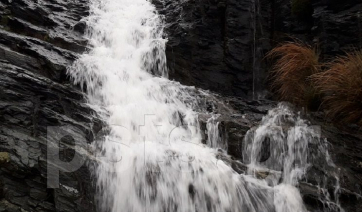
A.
x: 153, y: 158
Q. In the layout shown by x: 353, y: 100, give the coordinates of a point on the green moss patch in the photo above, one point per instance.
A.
x: 4, y: 157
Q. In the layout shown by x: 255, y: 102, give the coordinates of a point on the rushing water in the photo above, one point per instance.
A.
x: 279, y: 147
x: 152, y: 158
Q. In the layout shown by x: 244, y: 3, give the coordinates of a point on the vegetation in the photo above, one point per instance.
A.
x: 341, y: 86
x: 290, y: 76
x: 297, y: 77
x: 4, y: 158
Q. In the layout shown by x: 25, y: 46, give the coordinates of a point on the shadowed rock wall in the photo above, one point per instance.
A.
x: 335, y: 26
x: 211, y: 43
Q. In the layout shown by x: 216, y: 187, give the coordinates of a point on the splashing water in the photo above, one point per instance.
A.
x: 280, y: 146
x: 152, y: 158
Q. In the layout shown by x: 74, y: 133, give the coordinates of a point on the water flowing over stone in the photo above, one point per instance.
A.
x: 279, y: 148
x: 153, y: 158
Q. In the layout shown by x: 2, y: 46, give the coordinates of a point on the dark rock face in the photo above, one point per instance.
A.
x: 211, y: 44
x: 345, y: 146
x: 334, y: 25
x: 37, y: 42
x: 221, y: 45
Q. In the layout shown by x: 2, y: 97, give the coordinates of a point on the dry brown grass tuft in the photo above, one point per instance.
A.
x: 290, y: 76
x: 341, y: 85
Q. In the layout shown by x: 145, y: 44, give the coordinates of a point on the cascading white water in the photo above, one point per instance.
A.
x: 214, y: 140
x: 153, y: 158
x: 280, y: 146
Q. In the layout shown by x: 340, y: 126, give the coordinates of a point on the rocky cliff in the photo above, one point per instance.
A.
x: 37, y: 41
x: 333, y: 25
x: 220, y: 45
x: 213, y: 44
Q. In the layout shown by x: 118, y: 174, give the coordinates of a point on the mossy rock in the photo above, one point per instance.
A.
x: 4, y: 157
x: 46, y: 38
x: 4, y: 20
x: 261, y: 174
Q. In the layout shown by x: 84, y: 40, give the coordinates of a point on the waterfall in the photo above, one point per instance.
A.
x: 279, y: 148
x: 152, y: 158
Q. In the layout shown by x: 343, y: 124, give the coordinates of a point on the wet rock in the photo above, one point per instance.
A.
x: 29, y: 105
x: 4, y: 157
x: 212, y: 44
x: 37, y: 43
x: 80, y: 27
x: 318, y: 187
x: 345, y: 147
x: 335, y: 26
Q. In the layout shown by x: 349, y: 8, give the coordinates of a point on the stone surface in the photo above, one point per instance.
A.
x: 221, y: 45
x: 335, y: 26
x: 344, y: 146
x: 211, y: 44
x: 37, y: 43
